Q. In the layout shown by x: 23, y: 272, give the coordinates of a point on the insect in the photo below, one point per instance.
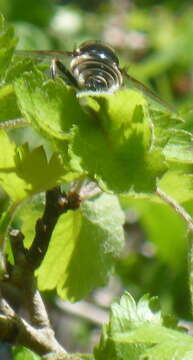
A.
x: 94, y: 67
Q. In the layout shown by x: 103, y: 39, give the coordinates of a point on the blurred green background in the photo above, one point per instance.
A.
x: 155, y: 40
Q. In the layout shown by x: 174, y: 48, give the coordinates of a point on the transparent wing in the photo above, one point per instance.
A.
x: 129, y: 80
x: 42, y: 54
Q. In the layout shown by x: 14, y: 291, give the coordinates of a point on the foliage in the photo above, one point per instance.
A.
x: 137, y: 332
x: 123, y: 143
x: 24, y: 354
x: 95, y: 228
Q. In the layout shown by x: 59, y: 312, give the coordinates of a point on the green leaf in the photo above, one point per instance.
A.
x: 7, y: 45
x: 27, y: 215
x: 115, y: 146
x: 83, y: 247
x: 108, y: 137
x: 183, y: 180
x: 17, y: 68
x: 5, y: 220
x: 8, y: 104
x: 49, y: 106
x: 22, y: 353
x: 24, y: 172
x: 10, y: 182
x: 179, y: 147
x: 34, y: 167
x: 173, y: 135
x: 179, y: 175
x: 138, y: 333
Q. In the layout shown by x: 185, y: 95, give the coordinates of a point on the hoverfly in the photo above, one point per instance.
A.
x: 94, y: 67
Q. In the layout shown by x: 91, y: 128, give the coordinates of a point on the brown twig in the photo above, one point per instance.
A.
x: 17, y: 331
x: 57, y: 203
x: 38, y: 334
x: 22, y: 276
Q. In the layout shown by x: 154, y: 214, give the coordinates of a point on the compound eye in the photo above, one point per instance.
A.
x: 98, y: 49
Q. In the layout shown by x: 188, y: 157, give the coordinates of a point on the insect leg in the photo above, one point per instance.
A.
x: 59, y: 69
x: 53, y: 69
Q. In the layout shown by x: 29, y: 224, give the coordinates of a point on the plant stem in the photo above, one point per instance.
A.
x: 178, y: 208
